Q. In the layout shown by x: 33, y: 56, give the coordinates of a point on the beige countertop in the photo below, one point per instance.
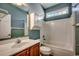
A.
x: 11, y: 48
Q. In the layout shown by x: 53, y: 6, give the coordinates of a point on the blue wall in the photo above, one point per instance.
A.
x: 18, y: 17
x: 34, y: 34
x: 16, y: 14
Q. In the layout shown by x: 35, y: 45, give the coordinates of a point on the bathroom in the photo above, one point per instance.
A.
x: 39, y: 29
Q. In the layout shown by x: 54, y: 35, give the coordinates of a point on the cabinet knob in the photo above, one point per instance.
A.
x: 27, y: 52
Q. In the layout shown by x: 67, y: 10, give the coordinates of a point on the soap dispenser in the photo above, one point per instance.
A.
x: 44, y: 37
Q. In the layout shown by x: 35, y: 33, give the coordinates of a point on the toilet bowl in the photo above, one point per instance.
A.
x: 45, y: 50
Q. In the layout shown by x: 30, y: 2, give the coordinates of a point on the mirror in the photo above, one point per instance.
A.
x: 13, y: 22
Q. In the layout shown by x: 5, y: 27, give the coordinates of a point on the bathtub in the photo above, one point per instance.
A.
x: 59, y: 51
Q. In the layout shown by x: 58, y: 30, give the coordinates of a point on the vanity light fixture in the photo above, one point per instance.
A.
x: 20, y: 4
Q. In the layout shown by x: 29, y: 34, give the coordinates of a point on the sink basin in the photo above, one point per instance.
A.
x: 18, y: 45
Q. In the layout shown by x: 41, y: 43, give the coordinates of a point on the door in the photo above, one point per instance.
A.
x: 5, y: 27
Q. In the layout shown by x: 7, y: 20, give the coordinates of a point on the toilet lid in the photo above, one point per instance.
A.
x: 44, y: 48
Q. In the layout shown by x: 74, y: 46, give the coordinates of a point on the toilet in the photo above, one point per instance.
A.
x: 45, y: 51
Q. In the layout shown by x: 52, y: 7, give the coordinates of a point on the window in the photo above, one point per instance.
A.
x: 59, y: 11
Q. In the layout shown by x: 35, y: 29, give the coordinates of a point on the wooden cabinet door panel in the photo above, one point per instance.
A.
x: 34, y: 50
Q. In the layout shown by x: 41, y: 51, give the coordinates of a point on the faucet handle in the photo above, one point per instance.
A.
x: 18, y: 41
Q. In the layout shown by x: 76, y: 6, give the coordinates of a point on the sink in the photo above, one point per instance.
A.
x: 18, y: 45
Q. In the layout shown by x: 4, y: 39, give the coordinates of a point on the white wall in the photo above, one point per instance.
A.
x: 59, y: 33
x: 36, y: 8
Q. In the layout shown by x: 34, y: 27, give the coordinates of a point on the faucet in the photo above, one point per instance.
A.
x: 18, y: 41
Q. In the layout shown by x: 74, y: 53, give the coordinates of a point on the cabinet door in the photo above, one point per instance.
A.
x: 5, y: 27
x: 34, y: 50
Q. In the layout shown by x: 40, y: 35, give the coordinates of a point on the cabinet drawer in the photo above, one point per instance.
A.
x: 23, y: 53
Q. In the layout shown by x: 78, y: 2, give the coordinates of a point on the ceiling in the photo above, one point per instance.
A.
x: 47, y: 5
x: 35, y: 7
x: 26, y: 6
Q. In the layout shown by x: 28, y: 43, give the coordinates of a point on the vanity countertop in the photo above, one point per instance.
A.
x: 8, y: 49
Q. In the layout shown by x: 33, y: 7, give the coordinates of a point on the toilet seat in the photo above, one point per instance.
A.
x: 45, y: 50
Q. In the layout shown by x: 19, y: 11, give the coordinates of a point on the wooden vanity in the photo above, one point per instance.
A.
x: 31, y: 51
